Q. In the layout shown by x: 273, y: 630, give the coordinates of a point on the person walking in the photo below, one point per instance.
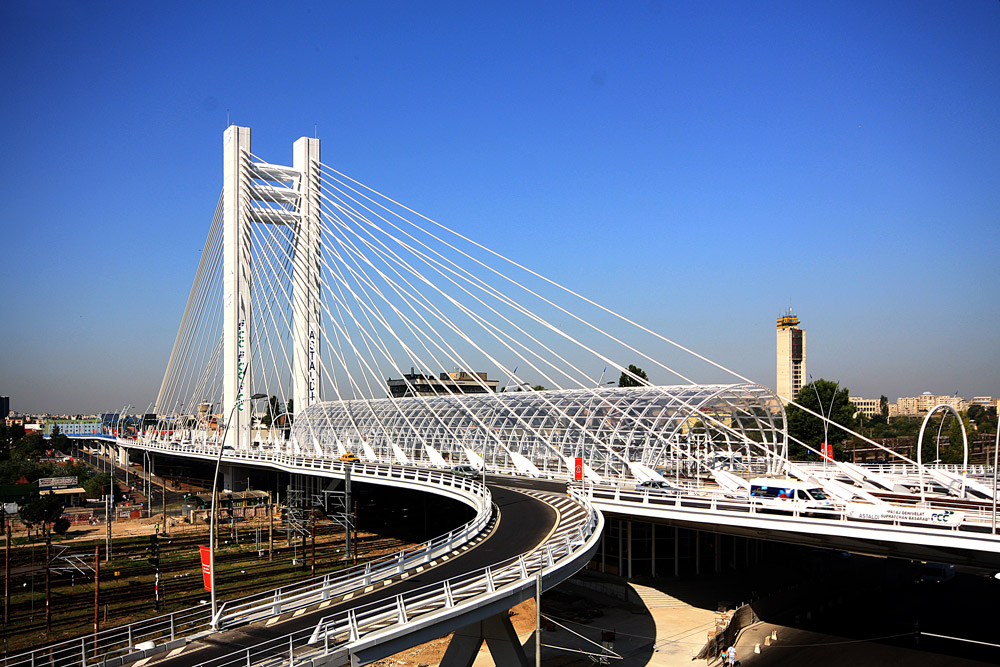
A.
x: 731, y: 656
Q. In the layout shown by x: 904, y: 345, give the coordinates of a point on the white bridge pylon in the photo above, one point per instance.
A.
x: 379, y: 332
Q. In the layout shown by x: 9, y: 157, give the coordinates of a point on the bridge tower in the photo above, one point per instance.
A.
x: 260, y: 193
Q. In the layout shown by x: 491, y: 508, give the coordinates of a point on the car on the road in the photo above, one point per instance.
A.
x: 657, y: 485
x: 349, y: 458
x: 466, y: 471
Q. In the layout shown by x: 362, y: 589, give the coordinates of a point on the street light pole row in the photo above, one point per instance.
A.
x: 215, y: 507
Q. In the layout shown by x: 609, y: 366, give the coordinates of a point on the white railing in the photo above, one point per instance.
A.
x: 337, y: 636
x: 975, y: 527
x: 320, y: 589
x: 135, y: 640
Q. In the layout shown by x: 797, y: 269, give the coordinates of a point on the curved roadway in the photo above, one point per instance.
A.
x: 521, y: 524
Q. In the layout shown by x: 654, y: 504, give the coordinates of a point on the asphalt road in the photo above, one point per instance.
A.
x: 523, y: 522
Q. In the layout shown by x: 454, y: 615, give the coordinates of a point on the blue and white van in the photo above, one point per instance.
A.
x: 789, y: 494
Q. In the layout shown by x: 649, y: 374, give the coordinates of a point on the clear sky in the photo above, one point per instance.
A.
x: 698, y: 166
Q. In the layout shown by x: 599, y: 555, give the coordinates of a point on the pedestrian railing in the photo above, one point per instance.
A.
x: 973, y: 532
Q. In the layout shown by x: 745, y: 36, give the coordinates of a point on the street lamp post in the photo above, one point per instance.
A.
x: 214, y: 506
x: 826, y: 419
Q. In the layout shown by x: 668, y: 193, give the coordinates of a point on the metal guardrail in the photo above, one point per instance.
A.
x: 320, y: 589
x: 136, y: 640
x: 976, y: 525
x: 975, y: 520
x: 336, y: 636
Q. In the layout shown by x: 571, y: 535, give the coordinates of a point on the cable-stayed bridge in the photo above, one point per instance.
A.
x: 384, y: 342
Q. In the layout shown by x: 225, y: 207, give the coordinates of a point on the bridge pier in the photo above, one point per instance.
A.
x: 634, y: 548
x: 500, y: 637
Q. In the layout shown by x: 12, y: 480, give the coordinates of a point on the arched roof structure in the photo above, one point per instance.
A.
x: 616, y: 431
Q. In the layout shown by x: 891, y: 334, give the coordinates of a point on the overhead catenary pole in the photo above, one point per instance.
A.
x: 347, y: 510
x: 48, y: 588
x: 538, y: 618
x: 996, y: 450
x: 97, y: 589
x: 108, y: 509
x: 163, y: 502
x: 6, y: 580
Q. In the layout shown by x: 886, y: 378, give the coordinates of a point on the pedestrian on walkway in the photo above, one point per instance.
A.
x: 731, y: 656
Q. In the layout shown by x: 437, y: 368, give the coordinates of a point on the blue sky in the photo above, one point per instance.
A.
x: 695, y: 166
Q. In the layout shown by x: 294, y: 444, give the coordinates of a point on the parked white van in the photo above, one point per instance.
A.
x: 788, y: 494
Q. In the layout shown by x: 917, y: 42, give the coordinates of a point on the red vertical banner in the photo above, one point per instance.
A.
x: 826, y: 451
x: 578, y: 469
x: 206, y: 567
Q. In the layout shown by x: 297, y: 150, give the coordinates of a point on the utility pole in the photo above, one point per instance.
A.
x: 347, y: 509
x: 163, y: 503
x: 353, y: 526
x: 107, y: 520
x: 48, y: 590
x: 538, y: 619
x: 270, y: 530
x: 312, y: 526
x: 97, y: 589
x: 6, y: 582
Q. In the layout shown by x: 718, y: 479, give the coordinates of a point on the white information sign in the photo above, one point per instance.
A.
x: 938, y: 517
x: 47, y: 483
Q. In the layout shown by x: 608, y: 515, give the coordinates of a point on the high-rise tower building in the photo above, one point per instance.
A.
x: 791, y: 355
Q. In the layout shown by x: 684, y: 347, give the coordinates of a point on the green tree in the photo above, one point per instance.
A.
x: 633, y: 377
x: 883, y: 408
x: 826, y: 398
x: 29, y: 448
x: 97, y: 485
x: 956, y: 446
x: 41, y: 510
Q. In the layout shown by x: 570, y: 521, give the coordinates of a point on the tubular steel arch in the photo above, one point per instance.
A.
x: 612, y: 429
x: 920, y: 447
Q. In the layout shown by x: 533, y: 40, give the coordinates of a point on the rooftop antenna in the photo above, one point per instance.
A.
x: 227, y: 118
x: 315, y: 130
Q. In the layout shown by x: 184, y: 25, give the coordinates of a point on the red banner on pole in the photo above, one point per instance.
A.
x: 206, y: 567
x: 578, y: 469
x: 826, y: 451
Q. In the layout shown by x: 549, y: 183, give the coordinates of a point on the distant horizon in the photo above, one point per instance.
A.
x: 131, y: 411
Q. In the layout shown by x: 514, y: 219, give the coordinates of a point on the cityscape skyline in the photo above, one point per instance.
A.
x: 697, y: 170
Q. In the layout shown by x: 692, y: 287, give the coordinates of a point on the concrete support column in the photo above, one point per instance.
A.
x: 500, y: 637
x: 306, y: 276
x: 697, y: 552
x: 652, y: 550
x: 629, y: 534
x: 677, y: 551
x: 621, y: 555
x: 236, y: 282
